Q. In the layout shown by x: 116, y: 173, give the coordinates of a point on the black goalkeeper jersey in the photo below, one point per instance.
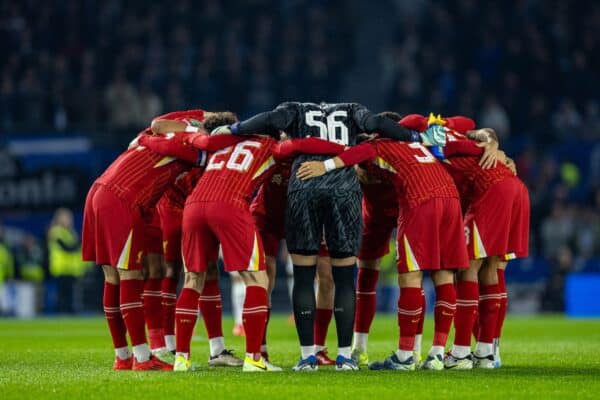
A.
x: 339, y: 123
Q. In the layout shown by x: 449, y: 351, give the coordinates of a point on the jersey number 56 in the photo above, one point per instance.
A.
x: 332, y: 127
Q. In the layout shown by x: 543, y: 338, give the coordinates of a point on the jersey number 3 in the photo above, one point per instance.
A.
x: 238, y: 158
x: 331, y: 128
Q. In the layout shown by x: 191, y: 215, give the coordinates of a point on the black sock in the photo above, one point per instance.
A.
x: 304, y: 303
x: 344, y: 303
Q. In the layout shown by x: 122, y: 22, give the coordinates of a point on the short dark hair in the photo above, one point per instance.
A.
x: 394, y: 116
x: 218, y: 119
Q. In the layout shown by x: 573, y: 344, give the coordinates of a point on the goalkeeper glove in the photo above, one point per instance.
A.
x: 434, y: 135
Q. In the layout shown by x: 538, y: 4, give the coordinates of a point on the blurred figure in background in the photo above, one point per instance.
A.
x: 64, y: 258
x: 29, y: 257
x: 7, y: 272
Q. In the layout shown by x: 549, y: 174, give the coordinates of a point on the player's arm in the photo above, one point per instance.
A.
x: 171, y: 145
x: 212, y: 143
x: 266, y: 123
x: 354, y: 155
x: 293, y: 147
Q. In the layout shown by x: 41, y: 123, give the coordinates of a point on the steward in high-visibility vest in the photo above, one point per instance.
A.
x: 7, y: 263
x: 64, y: 248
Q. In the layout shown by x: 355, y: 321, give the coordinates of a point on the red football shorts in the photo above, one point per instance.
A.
x: 271, y: 226
x: 112, y: 234
x: 171, y: 225
x: 497, y: 223
x: 431, y: 237
x: 153, y: 242
x: 378, y: 224
x: 206, y: 224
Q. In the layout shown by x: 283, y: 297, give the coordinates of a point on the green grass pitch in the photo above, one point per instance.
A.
x: 544, y: 357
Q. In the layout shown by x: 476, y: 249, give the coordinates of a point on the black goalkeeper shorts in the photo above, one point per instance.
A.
x: 312, y: 214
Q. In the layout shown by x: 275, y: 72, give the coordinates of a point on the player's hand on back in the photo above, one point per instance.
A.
x: 490, y: 156
x: 310, y: 169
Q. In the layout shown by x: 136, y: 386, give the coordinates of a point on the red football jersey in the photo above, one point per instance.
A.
x: 140, y: 176
x: 232, y: 174
x: 471, y: 180
x: 414, y: 171
x: 183, y: 186
x: 272, y: 196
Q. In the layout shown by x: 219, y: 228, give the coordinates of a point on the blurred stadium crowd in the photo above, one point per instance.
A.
x: 527, y: 68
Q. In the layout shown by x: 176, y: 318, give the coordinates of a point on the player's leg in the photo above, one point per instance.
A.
x: 171, y: 226
x: 467, y: 300
x: 199, y: 247
x: 444, y: 310
x: 489, y: 305
x: 168, y: 292
x: 271, y: 246
x: 210, y: 305
x: 419, y: 336
x: 238, y: 293
x: 186, y: 315
x: 116, y: 326
x: 375, y: 244
x: 152, y: 297
x: 324, y: 304
x: 366, y: 303
x: 501, y: 312
x: 304, y: 229
x: 255, y: 320
x: 243, y: 252
x: 410, y: 307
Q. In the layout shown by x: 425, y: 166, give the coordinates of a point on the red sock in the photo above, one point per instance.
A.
x: 366, y: 299
x: 422, y: 319
x: 445, y: 307
x: 467, y: 300
x: 186, y: 314
x: 322, y: 320
x: 264, y: 341
x: 153, y: 312
x: 503, y: 303
x: 254, y: 316
x: 475, y: 329
x: 116, y: 326
x: 211, y: 308
x: 489, y: 305
x: 168, y: 293
x: 410, y: 308
x: 132, y: 310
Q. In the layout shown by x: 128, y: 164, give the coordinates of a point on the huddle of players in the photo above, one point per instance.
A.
x: 400, y: 179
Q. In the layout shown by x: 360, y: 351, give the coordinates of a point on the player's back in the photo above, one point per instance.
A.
x: 416, y: 173
x: 335, y: 122
x: 232, y: 174
x: 140, y: 176
x: 472, y: 180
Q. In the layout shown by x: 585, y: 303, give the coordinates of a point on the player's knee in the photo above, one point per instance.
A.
x: 369, y: 264
x: 154, y: 266
x: 488, y: 273
x: 111, y: 275
x: 130, y: 275
x: 442, y: 277
x: 410, y: 279
x: 255, y: 278
x: 194, y: 280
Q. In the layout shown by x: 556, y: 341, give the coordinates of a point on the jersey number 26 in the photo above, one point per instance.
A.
x: 238, y: 158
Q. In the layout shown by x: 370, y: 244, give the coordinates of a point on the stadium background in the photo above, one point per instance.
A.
x: 78, y: 79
